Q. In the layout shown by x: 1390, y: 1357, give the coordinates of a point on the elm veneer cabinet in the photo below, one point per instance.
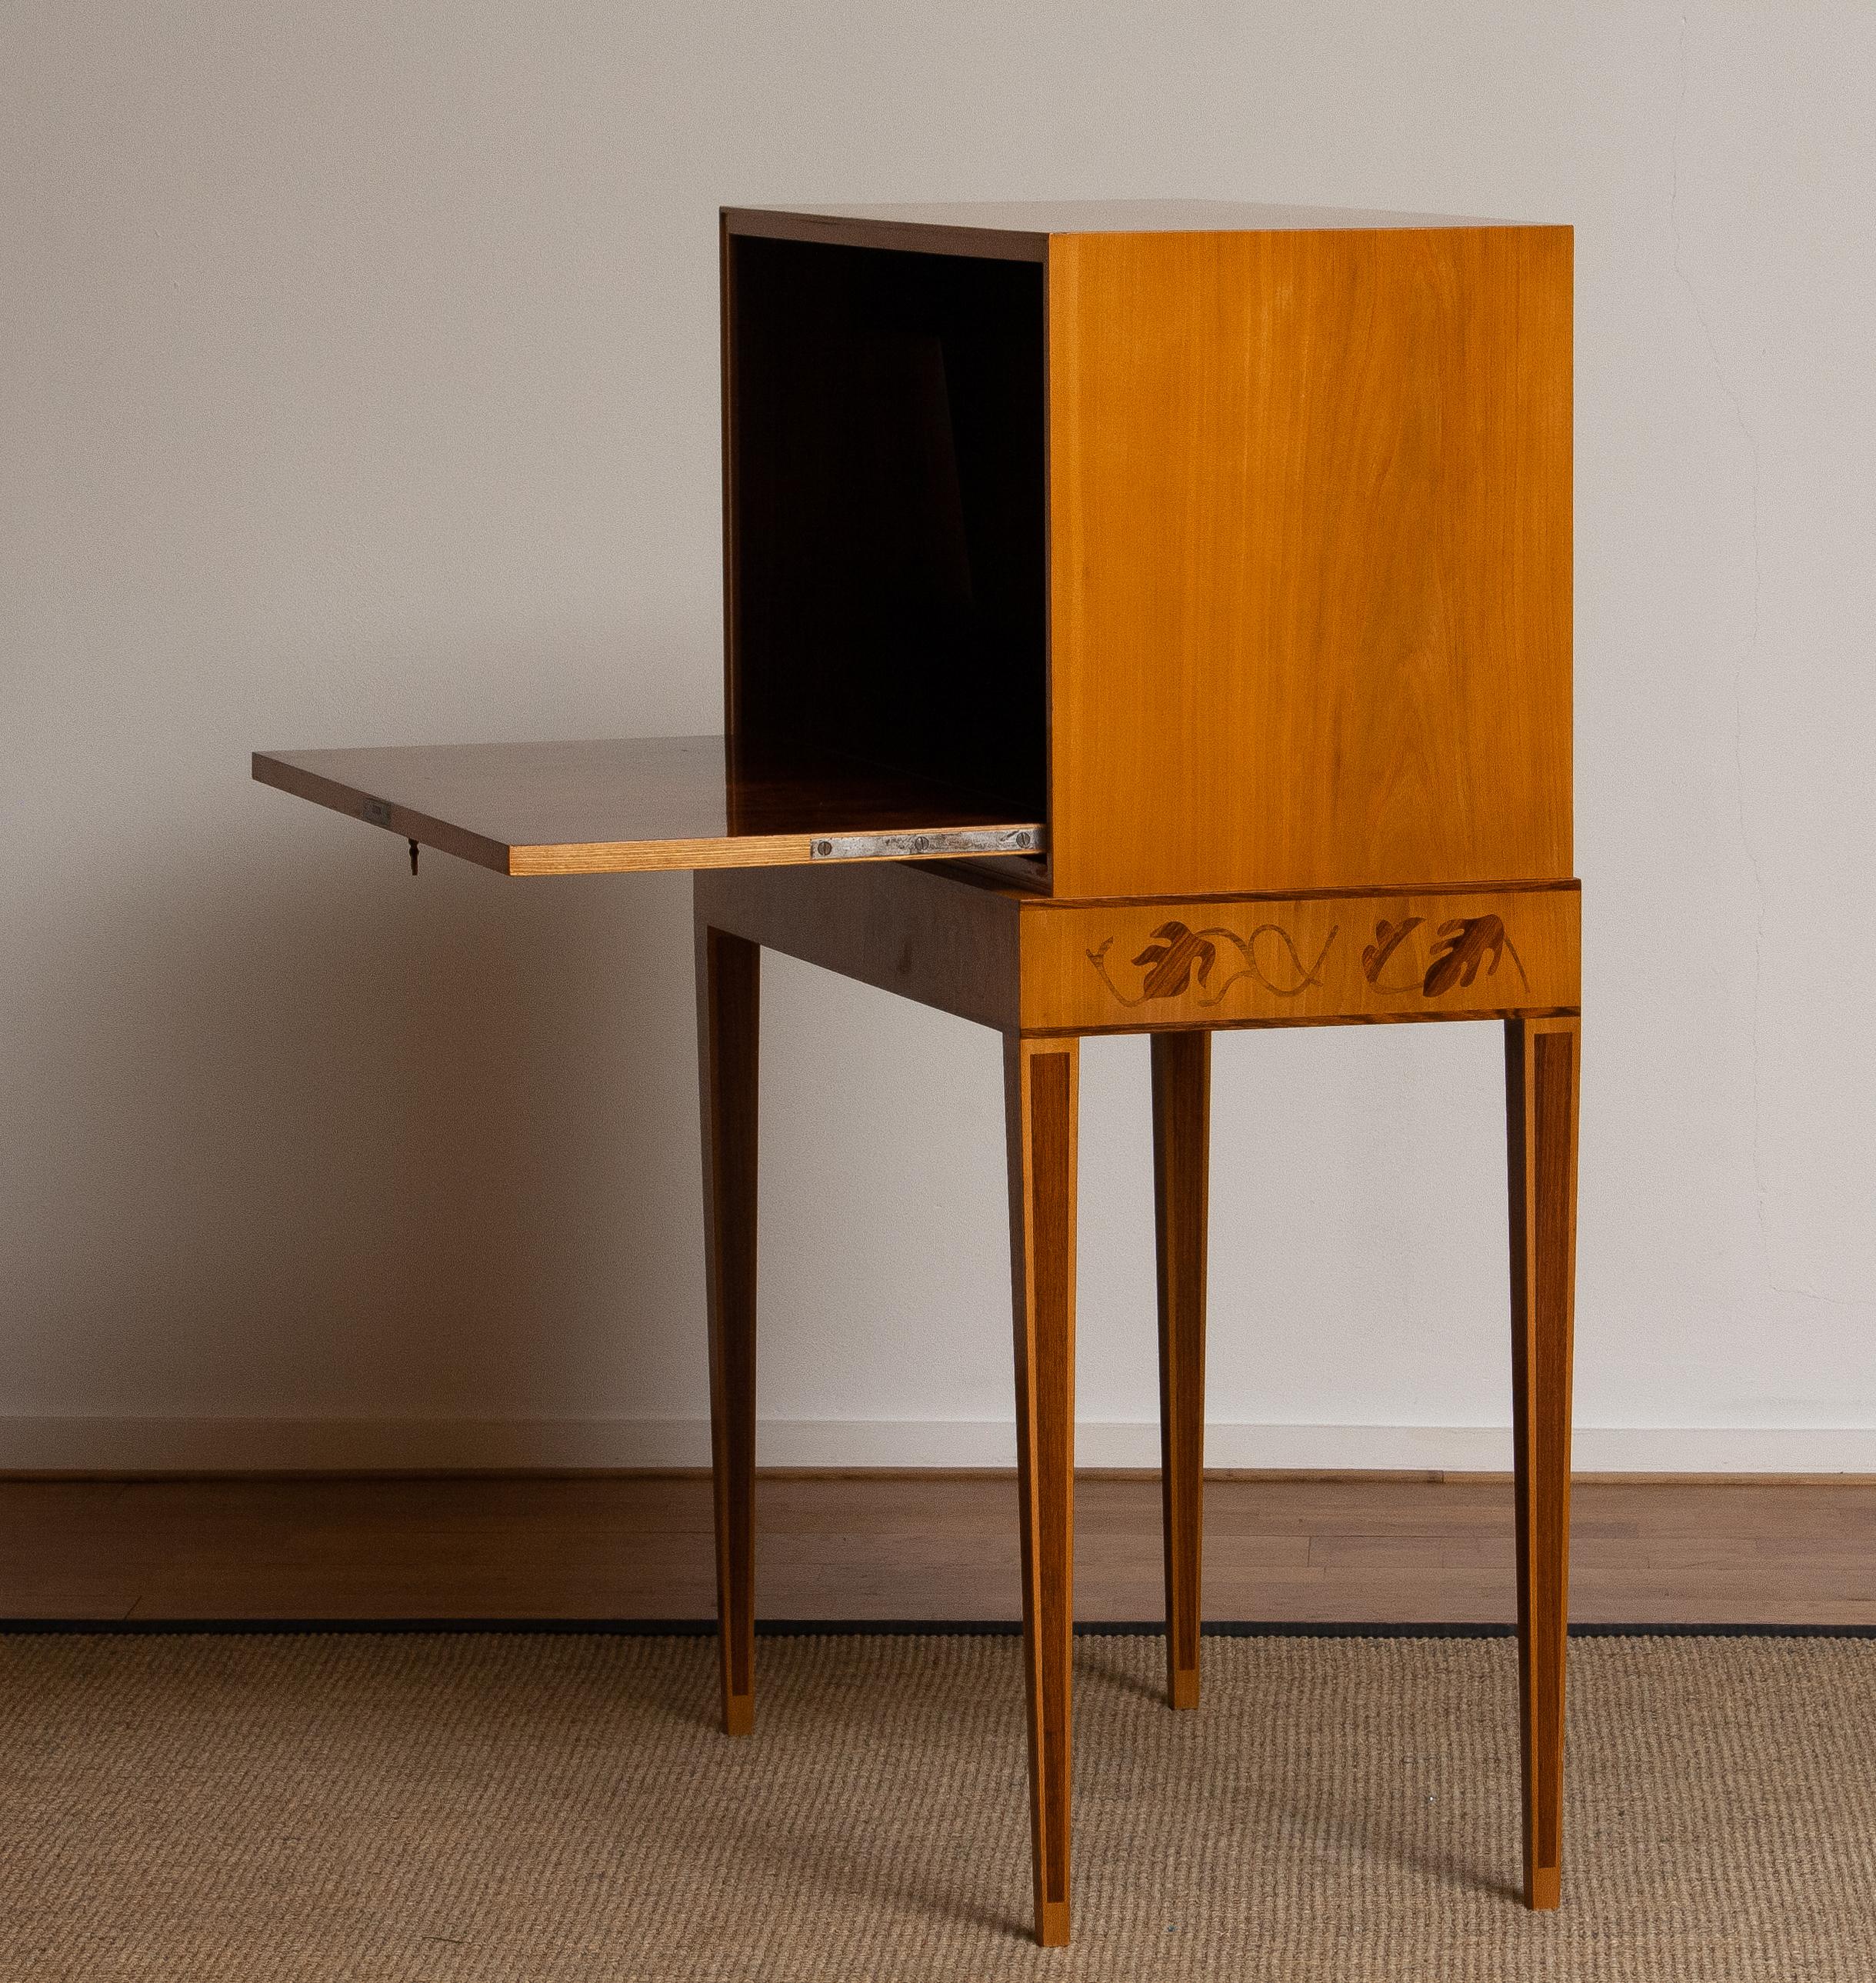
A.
x: 1141, y: 618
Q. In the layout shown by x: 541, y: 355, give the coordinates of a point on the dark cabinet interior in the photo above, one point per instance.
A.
x: 886, y: 506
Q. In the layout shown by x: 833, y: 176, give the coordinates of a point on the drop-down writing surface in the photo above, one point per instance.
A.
x: 628, y: 804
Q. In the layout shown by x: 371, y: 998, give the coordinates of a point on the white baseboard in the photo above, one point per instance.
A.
x: 212, y: 1445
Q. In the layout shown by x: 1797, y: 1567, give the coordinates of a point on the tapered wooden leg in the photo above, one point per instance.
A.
x: 1181, y: 1162
x: 1040, y: 1084
x: 728, y: 988
x: 1541, y: 1075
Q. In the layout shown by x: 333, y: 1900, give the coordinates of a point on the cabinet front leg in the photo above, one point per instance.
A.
x: 1541, y: 1080
x: 727, y: 987
x: 1040, y: 1083
x: 1182, y: 1155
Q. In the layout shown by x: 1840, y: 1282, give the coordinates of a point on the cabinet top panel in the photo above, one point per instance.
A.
x: 638, y: 803
x: 1022, y: 228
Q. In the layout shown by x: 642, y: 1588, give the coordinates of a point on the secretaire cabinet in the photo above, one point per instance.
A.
x: 1191, y: 583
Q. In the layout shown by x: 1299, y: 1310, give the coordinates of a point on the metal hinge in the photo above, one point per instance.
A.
x: 909, y: 846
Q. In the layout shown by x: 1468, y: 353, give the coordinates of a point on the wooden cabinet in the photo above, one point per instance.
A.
x: 1165, y: 610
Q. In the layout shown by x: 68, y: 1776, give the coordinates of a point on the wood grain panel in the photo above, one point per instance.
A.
x: 626, y: 805
x: 963, y: 229
x: 1125, y: 968
x: 1021, y: 229
x: 886, y: 924
x: 1310, y: 589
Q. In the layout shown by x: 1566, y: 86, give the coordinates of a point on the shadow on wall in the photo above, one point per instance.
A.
x: 301, y: 1136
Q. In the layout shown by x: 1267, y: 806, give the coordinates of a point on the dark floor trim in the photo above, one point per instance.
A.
x: 796, y: 1628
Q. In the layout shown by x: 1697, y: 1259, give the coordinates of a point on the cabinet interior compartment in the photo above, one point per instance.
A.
x: 885, y: 512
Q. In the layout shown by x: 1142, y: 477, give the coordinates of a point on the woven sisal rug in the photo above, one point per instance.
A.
x: 544, y: 1809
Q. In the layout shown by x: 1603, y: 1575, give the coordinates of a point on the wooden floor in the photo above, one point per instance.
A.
x: 1378, y: 1549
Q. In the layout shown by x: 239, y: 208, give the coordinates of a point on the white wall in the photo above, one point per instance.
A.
x: 359, y: 378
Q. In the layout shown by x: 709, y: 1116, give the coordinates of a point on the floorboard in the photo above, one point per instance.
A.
x: 1384, y: 1550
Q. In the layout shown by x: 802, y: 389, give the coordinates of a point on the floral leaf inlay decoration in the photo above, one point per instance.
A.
x: 1388, y: 938
x: 1171, y: 956
x: 1466, y: 945
x: 1176, y: 954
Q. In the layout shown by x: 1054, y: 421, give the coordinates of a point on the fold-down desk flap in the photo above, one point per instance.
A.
x: 646, y: 802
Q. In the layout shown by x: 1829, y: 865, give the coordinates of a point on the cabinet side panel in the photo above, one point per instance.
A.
x: 1310, y: 574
